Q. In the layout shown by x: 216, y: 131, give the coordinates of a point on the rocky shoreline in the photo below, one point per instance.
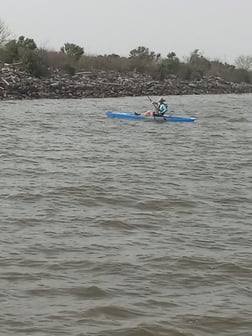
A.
x: 15, y: 84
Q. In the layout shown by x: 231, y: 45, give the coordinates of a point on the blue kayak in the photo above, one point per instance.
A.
x: 132, y: 115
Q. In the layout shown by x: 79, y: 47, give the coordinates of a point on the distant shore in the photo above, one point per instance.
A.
x: 17, y: 85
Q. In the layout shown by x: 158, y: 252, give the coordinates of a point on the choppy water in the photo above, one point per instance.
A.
x: 124, y: 228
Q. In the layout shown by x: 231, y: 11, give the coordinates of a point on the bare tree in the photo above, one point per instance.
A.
x: 4, y: 32
x: 244, y: 62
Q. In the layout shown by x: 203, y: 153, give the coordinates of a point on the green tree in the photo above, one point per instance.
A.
x: 144, y: 53
x: 169, y: 65
x: 199, y: 64
x: 143, y: 60
x: 25, y: 51
x: 14, y: 50
x: 26, y: 43
x: 10, y: 52
x: 72, y: 50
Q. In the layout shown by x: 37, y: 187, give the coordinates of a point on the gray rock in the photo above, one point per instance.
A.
x: 16, y: 84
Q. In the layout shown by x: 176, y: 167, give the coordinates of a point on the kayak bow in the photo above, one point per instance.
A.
x: 132, y: 115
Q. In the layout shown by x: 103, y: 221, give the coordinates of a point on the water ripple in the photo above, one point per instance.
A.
x: 111, y: 227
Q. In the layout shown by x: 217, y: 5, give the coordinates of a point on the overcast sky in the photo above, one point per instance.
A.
x: 218, y: 28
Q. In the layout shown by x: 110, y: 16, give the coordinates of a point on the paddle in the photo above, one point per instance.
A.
x: 153, y: 103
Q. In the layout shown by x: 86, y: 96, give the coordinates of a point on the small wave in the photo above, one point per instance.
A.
x: 197, y: 262
x: 220, y: 324
x: 148, y: 329
x: 92, y: 292
x: 114, y: 224
x: 112, y: 311
x: 238, y: 120
x: 156, y: 205
x: 234, y: 268
x: 26, y: 196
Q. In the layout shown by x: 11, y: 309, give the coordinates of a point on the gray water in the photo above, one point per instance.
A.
x: 126, y: 228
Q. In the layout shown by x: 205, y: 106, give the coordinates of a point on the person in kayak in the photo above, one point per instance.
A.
x: 160, y: 109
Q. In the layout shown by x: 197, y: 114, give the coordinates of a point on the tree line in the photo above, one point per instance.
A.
x: 71, y: 58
